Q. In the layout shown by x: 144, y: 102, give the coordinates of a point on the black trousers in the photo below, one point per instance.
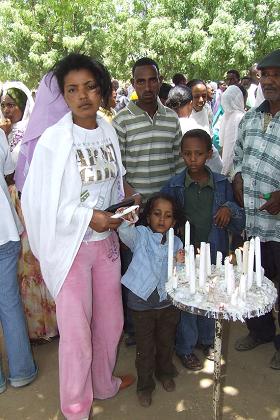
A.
x: 155, y: 332
x: 263, y: 327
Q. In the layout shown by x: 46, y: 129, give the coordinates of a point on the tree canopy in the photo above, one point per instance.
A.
x: 201, y: 39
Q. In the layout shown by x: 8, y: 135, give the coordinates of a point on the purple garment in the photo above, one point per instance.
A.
x: 49, y: 108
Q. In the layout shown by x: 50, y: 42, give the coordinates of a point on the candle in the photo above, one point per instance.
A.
x: 230, y: 279
x: 208, y: 260
x: 170, y: 252
x: 226, y: 271
x: 219, y: 259
x: 245, y: 256
x: 175, y: 279
x: 202, y: 264
x: 251, y: 263
x: 243, y: 286
x: 258, y: 261
x: 192, y: 270
x: 187, y: 235
x: 238, y: 255
x: 197, y: 260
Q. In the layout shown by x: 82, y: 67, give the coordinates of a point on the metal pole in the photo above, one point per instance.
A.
x: 217, y: 369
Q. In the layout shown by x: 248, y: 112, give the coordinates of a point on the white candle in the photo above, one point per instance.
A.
x: 192, y: 270
x: 258, y: 261
x: 175, y: 279
x: 251, y: 263
x: 197, y: 260
x: 208, y: 259
x: 219, y: 259
x: 170, y: 252
x: 202, y: 264
x: 226, y: 271
x: 230, y: 279
x: 187, y: 236
x: 245, y: 257
x: 243, y: 286
x: 238, y: 255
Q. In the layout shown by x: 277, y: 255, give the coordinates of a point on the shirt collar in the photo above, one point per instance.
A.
x: 209, y: 183
x: 136, y: 110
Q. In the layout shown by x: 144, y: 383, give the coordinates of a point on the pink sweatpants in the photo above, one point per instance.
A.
x: 90, y: 321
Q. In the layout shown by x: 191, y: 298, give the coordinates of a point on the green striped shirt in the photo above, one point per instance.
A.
x: 257, y: 157
x: 150, y: 147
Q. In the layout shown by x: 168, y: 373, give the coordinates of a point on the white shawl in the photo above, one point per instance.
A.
x: 233, y: 104
x: 55, y: 219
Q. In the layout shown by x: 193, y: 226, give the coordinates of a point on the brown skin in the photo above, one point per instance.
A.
x: 11, y: 112
x: 195, y: 154
x: 146, y: 82
x: 270, y: 83
x: 199, y: 93
x: 82, y: 95
x: 232, y: 79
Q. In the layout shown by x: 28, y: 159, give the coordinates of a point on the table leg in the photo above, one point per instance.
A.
x: 217, y: 369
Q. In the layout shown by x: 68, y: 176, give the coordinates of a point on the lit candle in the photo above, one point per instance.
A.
x: 258, y: 261
x: 238, y: 255
x: 251, y: 263
x: 219, y: 259
x: 245, y: 257
x: 202, y: 264
x: 170, y: 252
x: 208, y: 259
x: 192, y: 269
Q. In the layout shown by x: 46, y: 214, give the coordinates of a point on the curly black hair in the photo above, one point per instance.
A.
x: 77, y: 61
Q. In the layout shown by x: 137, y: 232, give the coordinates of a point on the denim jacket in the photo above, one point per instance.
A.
x: 223, y: 196
x: 148, y: 268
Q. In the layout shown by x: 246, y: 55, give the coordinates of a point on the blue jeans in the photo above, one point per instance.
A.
x: 193, y: 329
x: 22, y: 369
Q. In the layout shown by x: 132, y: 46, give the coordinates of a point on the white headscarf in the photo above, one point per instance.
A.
x: 18, y: 129
x: 232, y: 102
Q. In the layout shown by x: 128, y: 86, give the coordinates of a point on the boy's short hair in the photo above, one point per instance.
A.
x: 144, y: 61
x: 199, y: 134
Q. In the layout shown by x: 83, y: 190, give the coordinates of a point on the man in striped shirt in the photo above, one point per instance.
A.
x: 149, y: 133
x: 257, y: 187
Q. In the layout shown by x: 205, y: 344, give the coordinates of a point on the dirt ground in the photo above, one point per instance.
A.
x: 251, y: 390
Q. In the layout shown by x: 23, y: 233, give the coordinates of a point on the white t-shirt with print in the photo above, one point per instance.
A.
x: 10, y: 226
x: 98, y: 169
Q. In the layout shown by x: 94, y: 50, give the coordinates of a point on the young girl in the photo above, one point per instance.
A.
x: 155, y: 319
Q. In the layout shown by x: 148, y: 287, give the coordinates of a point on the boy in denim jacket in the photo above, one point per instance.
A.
x: 208, y: 203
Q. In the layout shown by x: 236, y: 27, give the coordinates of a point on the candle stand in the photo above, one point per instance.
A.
x: 213, y: 301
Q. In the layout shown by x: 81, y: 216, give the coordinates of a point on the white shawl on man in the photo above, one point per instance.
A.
x: 55, y: 219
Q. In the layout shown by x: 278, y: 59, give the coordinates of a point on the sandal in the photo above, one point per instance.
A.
x: 190, y: 361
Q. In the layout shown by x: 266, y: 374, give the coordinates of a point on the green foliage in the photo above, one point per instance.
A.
x: 202, y: 39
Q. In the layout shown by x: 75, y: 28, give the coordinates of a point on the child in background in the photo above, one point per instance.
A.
x: 208, y: 203
x: 154, y: 317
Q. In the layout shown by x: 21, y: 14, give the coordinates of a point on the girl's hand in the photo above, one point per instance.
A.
x: 222, y: 217
x: 131, y: 217
x: 180, y: 256
x: 101, y: 221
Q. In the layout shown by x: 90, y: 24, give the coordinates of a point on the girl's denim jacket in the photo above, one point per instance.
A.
x: 223, y: 196
x: 148, y: 268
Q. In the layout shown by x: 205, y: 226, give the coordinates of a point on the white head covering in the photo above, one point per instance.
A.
x: 18, y: 129
x: 21, y: 86
x: 233, y: 105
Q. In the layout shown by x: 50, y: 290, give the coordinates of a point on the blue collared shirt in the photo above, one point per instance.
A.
x: 148, y: 268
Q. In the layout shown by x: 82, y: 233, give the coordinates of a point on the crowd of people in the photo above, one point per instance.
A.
x: 192, y: 150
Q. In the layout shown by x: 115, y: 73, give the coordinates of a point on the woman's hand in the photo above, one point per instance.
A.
x: 101, y: 221
x: 6, y: 125
x: 222, y: 217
